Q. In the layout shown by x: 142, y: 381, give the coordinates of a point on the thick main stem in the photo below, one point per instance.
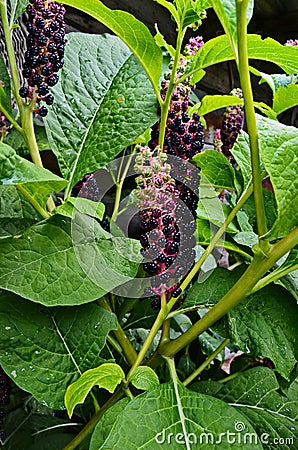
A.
x: 256, y: 270
x: 243, y: 68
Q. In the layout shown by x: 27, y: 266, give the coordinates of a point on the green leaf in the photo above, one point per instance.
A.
x: 279, y: 150
x: 106, y: 376
x: 58, y: 262
x: 162, y: 43
x: 17, y: 142
x: 265, y: 326
x: 226, y: 12
x: 205, y: 233
x: 193, y: 14
x: 211, y: 208
x: 213, y: 288
x: 275, y: 81
x: 16, y: 213
x: 216, y: 168
x: 131, y: 31
x: 285, y: 98
x: 104, y: 426
x: 211, y: 103
x: 45, y: 349
x: 153, y: 418
x: 255, y: 393
x: 144, y: 378
x: 36, y: 181
x: 101, y: 108
x: 17, y: 8
x: 170, y: 7
x: 218, y: 50
x: 241, y: 153
x: 83, y: 205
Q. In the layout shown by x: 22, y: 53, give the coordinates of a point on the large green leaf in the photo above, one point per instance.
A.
x: 226, y: 12
x: 265, y: 326
x: 216, y: 168
x: 106, y: 376
x: 103, y: 427
x: 218, y: 50
x: 279, y: 150
x: 133, y: 32
x: 45, y: 349
x: 213, y: 289
x: 104, y: 101
x: 163, y: 416
x: 59, y: 263
x: 16, y: 213
x: 17, y: 8
x: 36, y: 181
x: 285, y: 97
x: 255, y: 394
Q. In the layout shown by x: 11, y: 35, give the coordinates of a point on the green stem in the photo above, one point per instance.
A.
x: 232, y: 376
x: 243, y: 68
x: 259, y: 266
x: 119, y: 187
x: 93, y: 421
x: 30, y: 139
x: 166, y: 103
x: 206, y: 363
x: 245, y: 196
x: 33, y: 202
x: 272, y: 277
x: 11, y: 54
x: 11, y: 119
x: 128, y: 350
x: 164, y: 310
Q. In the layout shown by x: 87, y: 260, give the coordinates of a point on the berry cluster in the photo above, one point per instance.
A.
x: 88, y: 188
x: 184, y: 134
x: 4, y: 396
x: 231, y: 127
x: 184, y: 138
x: 166, y: 237
x: 45, y: 51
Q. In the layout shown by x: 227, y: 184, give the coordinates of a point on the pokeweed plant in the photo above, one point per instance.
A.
x: 88, y: 307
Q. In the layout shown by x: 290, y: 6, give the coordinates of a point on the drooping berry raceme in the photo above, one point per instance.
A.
x: 45, y: 50
x: 184, y: 138
x: 162, y: 218
x: 231, y: 127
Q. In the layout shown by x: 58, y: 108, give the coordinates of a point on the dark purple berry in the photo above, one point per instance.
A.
x: 43, y: 89
x: 52, y: 80
x: 39, y: 23
x: 52, y: 47
x: 177, y: 292
x: 43, y: 111
x: 37, y: 79
x: 23, y: 92
x: 49, y: 99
